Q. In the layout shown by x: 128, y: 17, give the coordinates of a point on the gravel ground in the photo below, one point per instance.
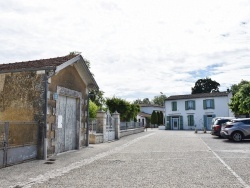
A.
x: 156, y: 158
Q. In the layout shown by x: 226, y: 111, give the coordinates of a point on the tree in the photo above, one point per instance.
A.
x: 160, y: 120
x: 127, y: 111
x: 93, y: 108
x: 159, y: 100
x: 240, y: 102
x: 236, y: 87
x: 138, y: 101
x: 99, y: 99
x: 154, y: 118
x: 146, y: 101
x: 205, y: 86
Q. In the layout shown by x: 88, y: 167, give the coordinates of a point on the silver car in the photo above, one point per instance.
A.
x: 236, y: 129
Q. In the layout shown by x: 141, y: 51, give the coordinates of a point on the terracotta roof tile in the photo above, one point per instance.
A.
x: 200, y: 95
x: 36, y: 64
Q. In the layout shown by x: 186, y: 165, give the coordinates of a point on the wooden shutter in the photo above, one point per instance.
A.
x: 181, y: 122
x: 212, y: 103
x: 205, y: 121
x: 168, y: 122
x: 186, y: 105
x: 204, y: 104
x: 192, y: 120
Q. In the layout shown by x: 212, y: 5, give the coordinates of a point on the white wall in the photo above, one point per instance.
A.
x: 150, y: 109
x: 221, y: 110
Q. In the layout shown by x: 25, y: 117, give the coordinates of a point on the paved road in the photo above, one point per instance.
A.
x: 150, y: 159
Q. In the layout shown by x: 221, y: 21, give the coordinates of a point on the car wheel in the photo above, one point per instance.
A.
x: 237, y: 136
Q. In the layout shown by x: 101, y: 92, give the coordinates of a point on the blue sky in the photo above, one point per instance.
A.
x: 138, y: 48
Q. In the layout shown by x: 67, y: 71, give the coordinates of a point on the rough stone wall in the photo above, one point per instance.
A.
x: 70, y: 79
x: 22, y: 100
x: 21, y: 96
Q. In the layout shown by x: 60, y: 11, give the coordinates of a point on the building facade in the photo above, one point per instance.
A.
x: 196, y: 111
x: 53, y: 93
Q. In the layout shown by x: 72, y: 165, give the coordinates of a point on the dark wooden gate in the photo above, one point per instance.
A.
x: 18, y: 142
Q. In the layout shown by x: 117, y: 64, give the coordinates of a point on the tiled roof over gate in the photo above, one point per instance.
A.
x: 36, y: 64
x: 200, y: 95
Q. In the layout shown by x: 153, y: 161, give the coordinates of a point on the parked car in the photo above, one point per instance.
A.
x: 236, y: 129
x: 216, y: 124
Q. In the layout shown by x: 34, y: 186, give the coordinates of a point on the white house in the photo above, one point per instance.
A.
x: 196, y: 110
x: 145, y: 112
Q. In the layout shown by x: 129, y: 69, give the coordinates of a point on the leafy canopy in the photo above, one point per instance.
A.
x: 205, y: 86
x: 127, y: 111
x: 240, y: 102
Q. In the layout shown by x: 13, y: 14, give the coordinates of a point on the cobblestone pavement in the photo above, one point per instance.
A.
x: 156, y: 158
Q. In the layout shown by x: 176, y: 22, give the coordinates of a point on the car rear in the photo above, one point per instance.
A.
x: 236, y: 130
x: 216, y: 127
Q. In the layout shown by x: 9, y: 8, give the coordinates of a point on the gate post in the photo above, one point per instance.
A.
x: 116, y: 117
x: 101, y: 123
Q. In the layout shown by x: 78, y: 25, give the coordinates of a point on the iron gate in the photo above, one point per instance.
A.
x: 110, y: 128
x: 18, y: 142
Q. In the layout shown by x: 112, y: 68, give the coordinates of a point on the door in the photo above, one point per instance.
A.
x: 175, y: 123
x: 67, y: 130
x: 209, y: 122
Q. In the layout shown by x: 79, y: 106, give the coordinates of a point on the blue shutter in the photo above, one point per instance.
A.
x: 192, y: 120
x: 181, y: 122
x: 204, y: 104
x: 194, y: 104
x: 212, y: 101
x: 205, y: 121
x: 168, y: 123
x: 186, y: 105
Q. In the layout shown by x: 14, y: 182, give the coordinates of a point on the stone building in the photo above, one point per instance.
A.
x: 52, y: 92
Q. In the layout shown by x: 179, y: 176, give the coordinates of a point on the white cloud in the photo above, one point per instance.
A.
x: 139, y: 48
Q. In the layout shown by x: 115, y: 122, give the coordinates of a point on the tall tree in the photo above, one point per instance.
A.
x: 154, y: 118
x: 159, y: 100
x: 205, y: 86
x: 138, y: 101
x: 160, y: 118
x: 127, y: 111
x: 240, y: 102
x: 99, y: 99
x: 93, y: 108
x: 146, y: 101
x: 236, y: 87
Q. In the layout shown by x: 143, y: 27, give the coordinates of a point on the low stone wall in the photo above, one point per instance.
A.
x: 98, y: 138
x: 131, y: 131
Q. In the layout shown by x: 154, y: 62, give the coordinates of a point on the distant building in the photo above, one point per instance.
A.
x: 145, y: 112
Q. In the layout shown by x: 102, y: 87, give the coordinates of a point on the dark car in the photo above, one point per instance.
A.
x: 217, y: 123
x: 236, y: 129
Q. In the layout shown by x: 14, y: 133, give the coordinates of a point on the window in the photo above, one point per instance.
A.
x: 174, y: 106
x: 190, y: 105
x: 190, y: 120
x: 208, y: 104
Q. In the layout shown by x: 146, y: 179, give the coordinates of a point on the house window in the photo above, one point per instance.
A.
x: 190, y: 120
x: 190, y: 105
x: 174, y: 106
x: 208, y: 104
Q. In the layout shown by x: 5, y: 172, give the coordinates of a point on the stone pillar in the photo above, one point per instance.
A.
x: 101, y: 123
x: 116, y: 117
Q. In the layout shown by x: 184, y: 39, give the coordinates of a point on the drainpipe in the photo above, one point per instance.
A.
x: 87, y: 129
x: 46, y: 78
x: 45, y: 116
